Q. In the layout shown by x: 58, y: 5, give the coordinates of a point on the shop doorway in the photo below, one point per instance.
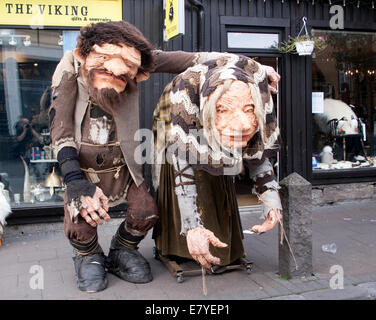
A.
x: 247, y: 201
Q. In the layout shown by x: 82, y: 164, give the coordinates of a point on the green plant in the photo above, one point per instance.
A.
x: 285, y: 277
x: 289, y: 45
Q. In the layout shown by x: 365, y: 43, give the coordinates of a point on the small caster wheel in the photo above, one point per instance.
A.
x: 155, y: 253
x: 180, y: 278
x: 249, y: 269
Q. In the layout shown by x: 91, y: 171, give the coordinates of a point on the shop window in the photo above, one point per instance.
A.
x: 344, y: 101
x: 248, y: 40
x: 27, y: 165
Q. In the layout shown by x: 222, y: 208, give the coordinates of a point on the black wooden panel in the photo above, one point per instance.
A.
x: 260, y: 8
x: 229, y: 8
x: 277, y: 9
x: 325, y: 12
x: 244, y: 8
x: 222, y: 7
x: 254, y: 21
x: 252, y: 8
x: 215, y: 26
x: 128, y: 11
x: 286, y: 9
x: 236, y: 7
x: 268, y: 9
x: 193, y: 45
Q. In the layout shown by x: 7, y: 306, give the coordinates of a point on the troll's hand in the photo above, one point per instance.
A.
x: 274, y: 78
x: 98, y: 203
x: 198, y: 240
x: 273, y: 217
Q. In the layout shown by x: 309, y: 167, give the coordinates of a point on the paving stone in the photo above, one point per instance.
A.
x: 361, y: 278
x: 371, y: 288
x: 373, y: 276
x: 351, y: 280
x: 275, y: 292
x: 239, y: 279
x: 16, y: 268
x: 7, y: 257
x: 150, y: 292
x: 15, y: 293
x: 293, y: 288
x: 64, y: 292
x: 247, y: 295
x: 59, y: 264
x: 289, y: 297
x: 323, y: 284
x: 270, y: 285
x: 30, y: 256
x: 304, y: 286
x: 7, y: 282
x: 348, y: 293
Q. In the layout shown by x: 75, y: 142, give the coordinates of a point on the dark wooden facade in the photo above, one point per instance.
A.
x: 295, y: 85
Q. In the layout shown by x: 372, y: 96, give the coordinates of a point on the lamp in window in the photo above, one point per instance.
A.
x: 27, y: 41
x: 12, y: 41
x: 61, y: 41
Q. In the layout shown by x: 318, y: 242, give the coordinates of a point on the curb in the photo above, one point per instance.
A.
x: 364, y: 291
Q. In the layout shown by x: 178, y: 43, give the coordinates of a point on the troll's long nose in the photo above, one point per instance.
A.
x: 240, y: 122
x: 116, y: 66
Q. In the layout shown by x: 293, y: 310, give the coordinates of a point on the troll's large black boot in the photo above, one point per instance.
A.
x: 127, y: 263
x: 90, y: 271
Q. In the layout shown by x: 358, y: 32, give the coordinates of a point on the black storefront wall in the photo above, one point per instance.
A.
x: 295, y: 85
x: 296, y: 71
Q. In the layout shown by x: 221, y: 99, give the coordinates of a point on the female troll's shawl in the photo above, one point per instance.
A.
x: 184, y: 119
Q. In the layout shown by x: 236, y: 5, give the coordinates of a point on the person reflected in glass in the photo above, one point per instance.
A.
x: 26, y: 135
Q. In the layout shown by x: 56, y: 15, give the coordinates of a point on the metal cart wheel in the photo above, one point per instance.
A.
x: 155, y: 253
x: 180, y: 278
x: 249, y: 269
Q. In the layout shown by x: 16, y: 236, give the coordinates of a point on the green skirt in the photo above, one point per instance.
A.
x: 219, y: 212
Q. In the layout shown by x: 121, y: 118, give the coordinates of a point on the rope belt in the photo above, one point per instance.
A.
x: 113, y: 169
x: 114, y: 144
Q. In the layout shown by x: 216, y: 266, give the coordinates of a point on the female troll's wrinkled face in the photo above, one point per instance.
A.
x: 235, y: 118
x: 110, y: 65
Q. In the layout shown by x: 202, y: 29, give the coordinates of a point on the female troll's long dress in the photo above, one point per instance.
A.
x: 217, y: 205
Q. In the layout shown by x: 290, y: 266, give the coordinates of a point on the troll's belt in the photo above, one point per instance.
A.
x: 116, y: 169
x: 112, y: 169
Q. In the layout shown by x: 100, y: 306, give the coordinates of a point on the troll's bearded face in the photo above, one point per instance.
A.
x: 111, y: 65
x: 108, y: 70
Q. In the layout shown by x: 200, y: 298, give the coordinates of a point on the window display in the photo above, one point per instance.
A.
x: 344, y: 101
x: 28, y: 59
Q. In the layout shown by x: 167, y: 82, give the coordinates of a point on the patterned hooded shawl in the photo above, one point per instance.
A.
x: 184, y: 120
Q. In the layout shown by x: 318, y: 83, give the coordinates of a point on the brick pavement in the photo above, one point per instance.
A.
x: 350, y: 225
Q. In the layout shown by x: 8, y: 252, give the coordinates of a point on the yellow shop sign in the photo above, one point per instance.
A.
x: 174, y: 18
x: 62, y: 13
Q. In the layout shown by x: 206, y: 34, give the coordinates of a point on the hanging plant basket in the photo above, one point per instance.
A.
x: 302, y: 45
x: 305, y: 48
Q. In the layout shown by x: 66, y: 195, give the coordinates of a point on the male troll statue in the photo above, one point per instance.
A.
x: 94, y: 116
x: 217, y: 117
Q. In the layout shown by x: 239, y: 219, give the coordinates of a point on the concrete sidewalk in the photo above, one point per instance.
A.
x: 352, y: 226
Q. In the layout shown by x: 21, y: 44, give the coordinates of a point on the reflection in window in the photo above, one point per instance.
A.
x: 28, y: 59
x: 344, y: 131
x: 252, y: 40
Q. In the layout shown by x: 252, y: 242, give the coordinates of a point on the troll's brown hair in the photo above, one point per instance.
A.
x: 115, y: 33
